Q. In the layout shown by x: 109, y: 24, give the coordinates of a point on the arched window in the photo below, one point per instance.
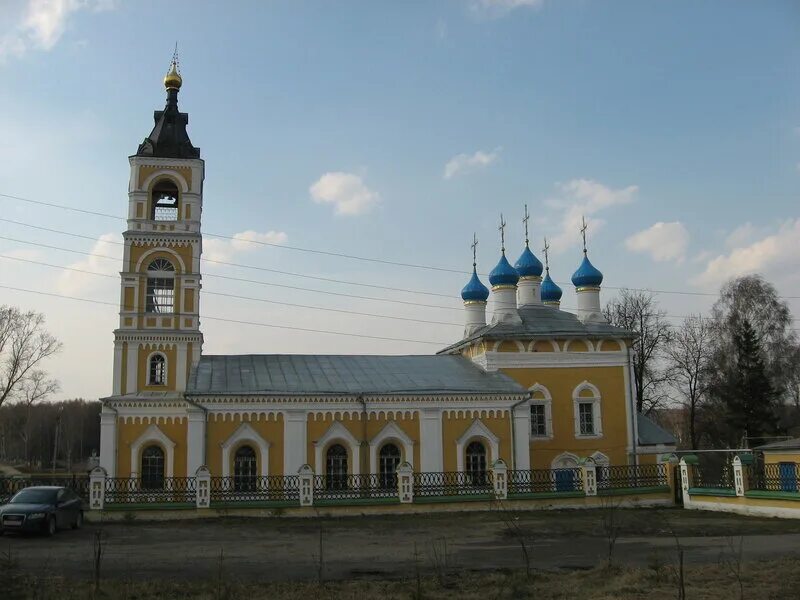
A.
x: 157, y: 371
x: 476, y: 462
x: 160, y: 297
x: 388, y: 459
x: 336, y: 467
x: 165, y: 201
x: 152, y: 468
x: 244, y: 469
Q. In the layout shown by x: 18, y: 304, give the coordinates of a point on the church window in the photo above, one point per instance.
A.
x: 157, y: 372
x: 152, y: 468
x: 538, y: 420
x: 165, y: 201
x: 389, y: 458
x: 336, y: 467
x: 586, y: 418
x: 587, y: 411
x: 160, y: 296
x: 476, y: 462
x: 244, y: 469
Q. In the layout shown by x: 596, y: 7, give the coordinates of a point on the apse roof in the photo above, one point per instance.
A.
x: 541, y: 321
x: 316, y: 374
x: 651, y: 434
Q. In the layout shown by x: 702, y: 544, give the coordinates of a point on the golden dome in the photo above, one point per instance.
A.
x: 173, y: 78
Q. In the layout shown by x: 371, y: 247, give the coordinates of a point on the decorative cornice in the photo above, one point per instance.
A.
x: 492, y: 361
x: 156, y: 336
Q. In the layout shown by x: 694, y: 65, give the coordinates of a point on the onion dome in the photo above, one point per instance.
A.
x: 528, y: 265
x: 173, y: 80
x: 549, y: 291
x: 587, y: 275
x: 475, y: 291
x: 503, y: 273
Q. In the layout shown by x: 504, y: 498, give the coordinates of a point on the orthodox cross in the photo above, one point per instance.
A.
x: 474, y: 250
x: 584, y: 227
x: 175, y: 60
x: 525, y: 222
x: 502, y: 229
x: 546, y: 249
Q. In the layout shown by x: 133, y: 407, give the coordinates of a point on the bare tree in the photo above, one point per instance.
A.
x: 34, y: 388
x: 688, y: 357
x: 638, y: 311
x: 24, y: 343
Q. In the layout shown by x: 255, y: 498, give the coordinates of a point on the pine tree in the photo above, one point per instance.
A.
x: 750, y: 399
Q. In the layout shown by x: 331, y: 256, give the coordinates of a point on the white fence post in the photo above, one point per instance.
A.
x: 405, y: 483
x: 97, y: 488
x: 500, y: 479
x: 589, y: 472
x: 306, y: 474
x: 203, y: 493
x: 738, y: 476
x: 685, y: 482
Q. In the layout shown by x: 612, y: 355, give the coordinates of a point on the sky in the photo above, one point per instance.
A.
x: 393, y: 131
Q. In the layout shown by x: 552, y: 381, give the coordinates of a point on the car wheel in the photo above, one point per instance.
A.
x: 78, y: 521
x: 51, y: 526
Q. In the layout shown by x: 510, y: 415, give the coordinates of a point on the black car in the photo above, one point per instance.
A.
x: 42, y: 509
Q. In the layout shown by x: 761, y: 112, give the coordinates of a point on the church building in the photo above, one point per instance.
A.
x: 529, y: 383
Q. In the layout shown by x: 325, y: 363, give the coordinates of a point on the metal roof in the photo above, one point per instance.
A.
x: 791, y: 444
x: 313, y: 374
x: 541, y: 321
x: 651, y: 434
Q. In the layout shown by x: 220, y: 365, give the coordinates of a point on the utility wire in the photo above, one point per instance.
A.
x: 240, y: 322
x: 349, y: 256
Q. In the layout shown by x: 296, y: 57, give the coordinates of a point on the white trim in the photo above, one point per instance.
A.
x: 153, y: 434
x: 492, y: 361
x: 170, y: 173
x: 143, y: 257
x: 590, y: 347
x: 597, y: 409
x: 245, y: 433
x: 547, y: 402
x: 430, y: 435
x: 532, y: 343
x: 147, y: 369
x: 390, y: 433
x: 520, y: 346
x: 337, y: 433
x: 565, y: 456
x: 478, y: 430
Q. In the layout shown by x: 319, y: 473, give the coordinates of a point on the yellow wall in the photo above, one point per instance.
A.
x: 145, y: 172
x: 271, y: 429
x: 561, y: 382
x: 127, y: 434
x: 782, y: 456
x: 172, y: 360
x: 455, y: 423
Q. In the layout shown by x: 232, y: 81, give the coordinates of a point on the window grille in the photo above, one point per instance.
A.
x: 336, y: 467
x: 165, y: 202
x: 160, y: 295
x: 538, y: 420
x: 158, y: 370
x: 152, y: 468
x: 476, y: 462
x: 586, y: 418
x: 388, y: 460
x: 244, y: 469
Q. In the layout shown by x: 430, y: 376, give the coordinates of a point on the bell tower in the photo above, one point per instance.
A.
x: 158, y: 339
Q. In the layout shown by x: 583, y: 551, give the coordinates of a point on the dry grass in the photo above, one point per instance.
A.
x: 761, y: 581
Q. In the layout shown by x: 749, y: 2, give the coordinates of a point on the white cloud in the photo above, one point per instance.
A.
x: 662, y: 241
x: 42, y: 23
x: 580, y: 198
x: 73, y: 283
x: 223, y: 250
x: 774, y: 256
x: 346, y: 191
x: 464, y: 163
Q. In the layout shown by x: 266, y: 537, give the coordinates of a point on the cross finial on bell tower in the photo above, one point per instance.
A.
x: 502, y: 230
x: 584, y: 227
x: 546, y: 249
x: 525, y: 220
x: 474, y: 250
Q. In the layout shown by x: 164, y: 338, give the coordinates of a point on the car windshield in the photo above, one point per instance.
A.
x: 33, y: 496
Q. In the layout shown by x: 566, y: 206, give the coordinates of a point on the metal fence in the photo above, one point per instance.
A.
x: 544, y: 480
x: 774, y: 477
x: 631, y: 476
x: 271, y: 488
x: 125, y: 490
x: 453, y: 483
x: 353, y: 487
x: 712, y: 476
x: 78, y: 483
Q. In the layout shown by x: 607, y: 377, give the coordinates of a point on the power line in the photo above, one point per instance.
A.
x: 240, y: 322
x: 347, y: 256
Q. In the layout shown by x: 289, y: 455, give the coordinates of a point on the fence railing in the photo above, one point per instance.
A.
x: 11, y: 485
x: 544, y: 480
x: 453, y: 483
x: 126, y: 490
x: 773, y: 477
x: 353, y: 487
x: 712, y: 477
x: 621, y: 477
x: 272, y: 488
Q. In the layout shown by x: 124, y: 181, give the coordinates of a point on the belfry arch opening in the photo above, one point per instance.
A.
x: 164, y: 201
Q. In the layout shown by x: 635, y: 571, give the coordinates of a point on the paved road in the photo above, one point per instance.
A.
x: 281, y: 549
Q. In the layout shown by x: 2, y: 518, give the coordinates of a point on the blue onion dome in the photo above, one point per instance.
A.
x: 550, y: 292
x: 474, y: 290
x: 528, y: 265
x: 587, y: 275
x: 503, y: 273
